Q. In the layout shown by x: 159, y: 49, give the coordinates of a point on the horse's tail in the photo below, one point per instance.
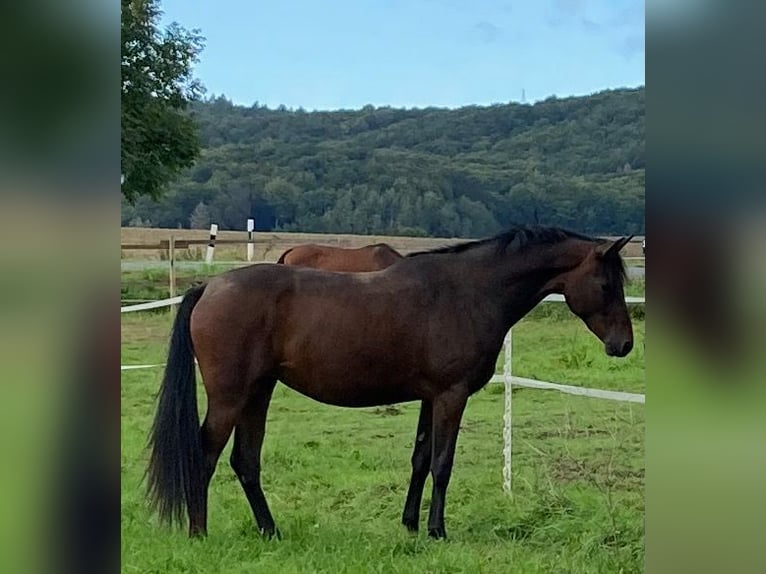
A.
x: 176, y: 464
x: 281, y: 259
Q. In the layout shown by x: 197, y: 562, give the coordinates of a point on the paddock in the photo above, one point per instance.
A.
x: 576, y: 502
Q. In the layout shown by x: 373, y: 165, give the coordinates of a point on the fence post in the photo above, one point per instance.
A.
x: 211, y: 243
x: 250, y: 229
x: 507, y: 426
x: 172, y: 272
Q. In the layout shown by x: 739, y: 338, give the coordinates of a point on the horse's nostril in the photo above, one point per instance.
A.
x: 626, y: 347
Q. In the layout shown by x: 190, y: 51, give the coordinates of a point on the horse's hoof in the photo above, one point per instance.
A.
x: 412, y: 526
x: 437, y: 533
x: 271, y: 534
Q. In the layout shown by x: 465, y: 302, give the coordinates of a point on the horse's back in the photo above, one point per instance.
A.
x: 361, y: 259
x: 302, y: 255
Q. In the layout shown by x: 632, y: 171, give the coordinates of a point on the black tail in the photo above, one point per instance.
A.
x: 176, y: 464
x: 282, y: 257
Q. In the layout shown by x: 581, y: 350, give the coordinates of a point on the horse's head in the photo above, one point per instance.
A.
x: 594, y: 292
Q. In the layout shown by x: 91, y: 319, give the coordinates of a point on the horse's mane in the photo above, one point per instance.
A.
x: 515, y: 238
x: 521, y: 236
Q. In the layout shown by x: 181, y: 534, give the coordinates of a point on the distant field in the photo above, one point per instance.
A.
x: 336, y: 478
x: 269, y: 246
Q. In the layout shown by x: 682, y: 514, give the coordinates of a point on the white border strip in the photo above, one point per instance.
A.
x: 572, y: 390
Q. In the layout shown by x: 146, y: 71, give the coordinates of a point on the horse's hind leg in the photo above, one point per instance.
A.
x: 421, y: 464
x: 246, y: 455
x: 215, y: 432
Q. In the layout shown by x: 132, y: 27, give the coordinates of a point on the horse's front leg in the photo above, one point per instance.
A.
x: 447, y: 412
x: 421, y: 464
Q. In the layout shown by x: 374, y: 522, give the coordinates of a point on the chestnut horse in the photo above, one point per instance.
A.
x: 369, y: 258
x: 428, y: 328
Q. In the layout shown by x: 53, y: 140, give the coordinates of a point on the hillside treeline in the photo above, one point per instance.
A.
x: 576, y: 162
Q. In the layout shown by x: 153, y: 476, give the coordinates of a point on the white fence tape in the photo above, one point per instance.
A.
x: 560, y: 299
x: 572, y: 390
x: 134, y: 367
x: 152, y: 305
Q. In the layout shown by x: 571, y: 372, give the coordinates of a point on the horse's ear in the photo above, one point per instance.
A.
x: 611, y: 248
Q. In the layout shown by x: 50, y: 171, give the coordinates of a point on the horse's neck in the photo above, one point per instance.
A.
x: 518, y: 281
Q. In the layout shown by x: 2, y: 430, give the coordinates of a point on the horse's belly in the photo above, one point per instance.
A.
x: 347, y: 390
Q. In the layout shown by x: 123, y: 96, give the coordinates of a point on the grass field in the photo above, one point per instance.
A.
x: 336, y: 478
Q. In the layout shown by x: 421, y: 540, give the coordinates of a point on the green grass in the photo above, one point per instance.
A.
x: 636, y: 287
x: 153, y: 283
x: 336, y: 478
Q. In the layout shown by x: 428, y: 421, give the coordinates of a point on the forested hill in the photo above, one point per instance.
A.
x: 467, y: 172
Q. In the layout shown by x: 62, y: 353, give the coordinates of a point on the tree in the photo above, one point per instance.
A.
x: 159, y: 138
x: 468, y: 172
x: 200, y: 217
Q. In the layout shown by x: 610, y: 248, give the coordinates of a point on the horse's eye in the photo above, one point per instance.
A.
x: 605, y: 288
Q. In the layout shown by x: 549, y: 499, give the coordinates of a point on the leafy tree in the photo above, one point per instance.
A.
x: 159, y: 139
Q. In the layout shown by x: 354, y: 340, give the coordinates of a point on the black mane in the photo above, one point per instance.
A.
x: 517, y: 237
x: 521, y: 236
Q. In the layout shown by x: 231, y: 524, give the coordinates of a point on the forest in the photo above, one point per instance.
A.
x: 575, y: 162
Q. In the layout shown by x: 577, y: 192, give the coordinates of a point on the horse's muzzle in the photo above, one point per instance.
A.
x: 618, y: 348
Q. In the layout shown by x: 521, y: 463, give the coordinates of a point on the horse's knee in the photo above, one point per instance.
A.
x: 441, y: 476
x: 247, y: 471
x: 421, y: 454
x: 420, y: 463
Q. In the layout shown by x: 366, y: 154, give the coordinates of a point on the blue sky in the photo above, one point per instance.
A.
x: 331, y: 54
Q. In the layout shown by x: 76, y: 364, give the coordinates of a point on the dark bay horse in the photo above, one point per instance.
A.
x: 368, y: 258
x: 428, y: 328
